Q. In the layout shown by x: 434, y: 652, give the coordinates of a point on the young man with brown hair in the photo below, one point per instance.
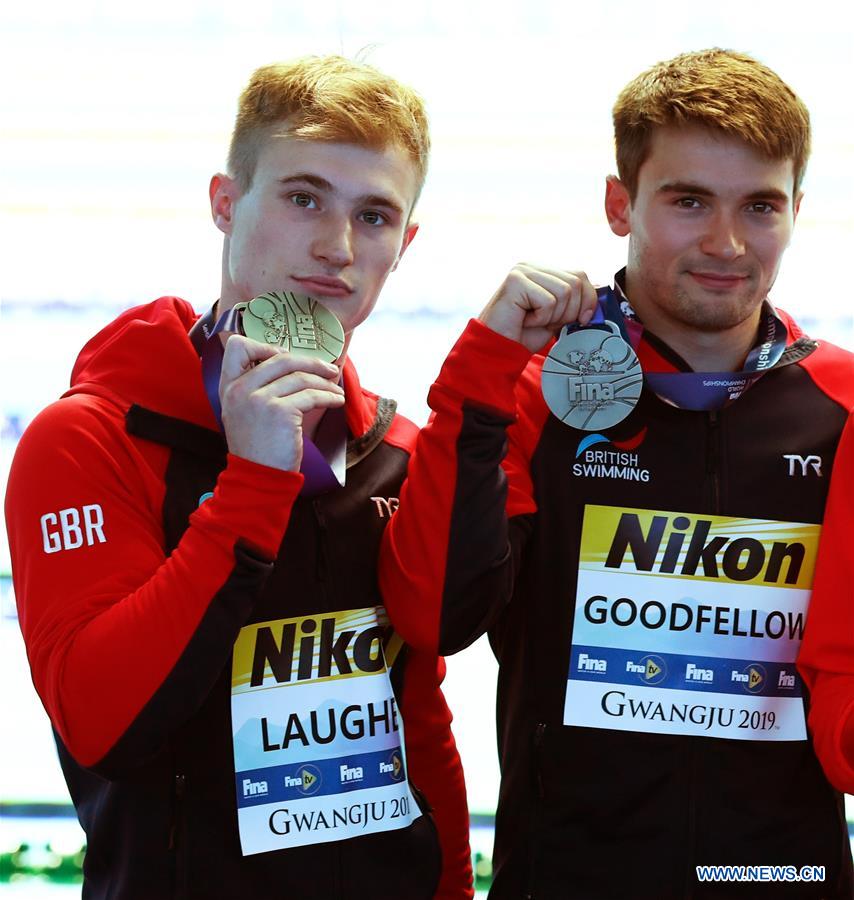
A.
x: 632, y: 513
x: 194, y: 534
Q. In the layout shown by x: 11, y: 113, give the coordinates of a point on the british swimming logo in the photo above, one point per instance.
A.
x: 613, y: 460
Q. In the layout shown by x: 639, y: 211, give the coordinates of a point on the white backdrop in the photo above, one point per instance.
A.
x: 113, y: 116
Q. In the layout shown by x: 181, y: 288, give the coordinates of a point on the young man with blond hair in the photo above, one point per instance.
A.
x: 642, y: 555
x: 194, y: 530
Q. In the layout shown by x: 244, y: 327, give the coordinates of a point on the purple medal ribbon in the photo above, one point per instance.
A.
x: 318, y: 473
x: 702, y: 391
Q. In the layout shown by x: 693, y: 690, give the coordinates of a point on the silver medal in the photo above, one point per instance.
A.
x: 592, y: 378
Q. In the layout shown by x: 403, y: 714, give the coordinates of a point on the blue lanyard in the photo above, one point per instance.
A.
x: 702, y: 391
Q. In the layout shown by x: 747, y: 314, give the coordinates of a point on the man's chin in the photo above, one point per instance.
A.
x: 711, y: 311
x: 714, y: 321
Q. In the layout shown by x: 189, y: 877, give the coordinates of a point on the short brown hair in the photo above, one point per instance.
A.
x: 327, y: 98
x: 721, y: 90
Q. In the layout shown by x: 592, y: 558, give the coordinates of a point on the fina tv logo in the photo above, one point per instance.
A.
x: 618, y: 463
x: 651, y: 669
x: 752, y: 678
x: 307, y: 780
x: 393, y: 767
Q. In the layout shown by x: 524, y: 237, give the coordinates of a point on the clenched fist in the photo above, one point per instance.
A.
x: 534, y: 303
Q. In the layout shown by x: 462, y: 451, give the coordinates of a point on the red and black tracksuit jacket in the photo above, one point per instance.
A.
x: 487, y: 540
x: 826, y: 659
x: 140, y: 548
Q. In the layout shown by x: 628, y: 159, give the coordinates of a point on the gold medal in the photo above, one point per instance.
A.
x: 294, y: 322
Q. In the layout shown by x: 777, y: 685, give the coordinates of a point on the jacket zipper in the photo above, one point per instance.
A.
x: 539, y: 735
x: 690, y: 870
x: 177, y: 842
x: 713, y: 461
x: 321, y: 568
x: 713, y: 476
x: 337, y: 873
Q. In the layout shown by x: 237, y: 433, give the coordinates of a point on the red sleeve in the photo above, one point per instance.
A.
x: 523, y: 436
x: 434, y: 763
x: 435, y: 768
x: 444, y: 562
x: 108, y: 620
x: 826, y: 659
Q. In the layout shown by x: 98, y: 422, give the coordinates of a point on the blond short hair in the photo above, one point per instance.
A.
x: 327, y: 98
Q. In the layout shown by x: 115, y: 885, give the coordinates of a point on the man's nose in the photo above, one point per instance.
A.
x: 723, y: 238
x: 333, y: 242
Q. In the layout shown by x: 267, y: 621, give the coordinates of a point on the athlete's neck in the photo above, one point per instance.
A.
x: 718, y: 351
x: 723, y: 350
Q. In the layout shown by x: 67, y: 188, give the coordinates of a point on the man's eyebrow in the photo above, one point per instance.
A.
x: 685, y: 187
x: 308, y: 178
x: 769, y: 194
x: 322, y: 184
x: 698, y: 190
x: 379, y: 200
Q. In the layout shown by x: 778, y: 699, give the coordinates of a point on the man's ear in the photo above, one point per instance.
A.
x: 223, y: 194
x: 617, y: 206
x: 408, y: 237
x: 796, y: 206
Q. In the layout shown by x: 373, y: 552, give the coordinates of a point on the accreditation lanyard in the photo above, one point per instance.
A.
x: 319, y: 475
x: 700, y: 391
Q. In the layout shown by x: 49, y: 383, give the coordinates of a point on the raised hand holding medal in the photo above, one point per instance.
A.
x: 265, y: 393
x: 534, y: 302
x: 592, y: 378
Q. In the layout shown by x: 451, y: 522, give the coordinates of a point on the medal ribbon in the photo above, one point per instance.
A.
x: 318, y: 474
x: 701, y: 391
x: 608, y: 309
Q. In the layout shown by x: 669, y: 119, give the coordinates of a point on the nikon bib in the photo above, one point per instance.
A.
x: 690, y: 624
x: 318, y: 743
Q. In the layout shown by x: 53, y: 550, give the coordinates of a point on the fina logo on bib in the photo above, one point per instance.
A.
x: 595, y: 461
